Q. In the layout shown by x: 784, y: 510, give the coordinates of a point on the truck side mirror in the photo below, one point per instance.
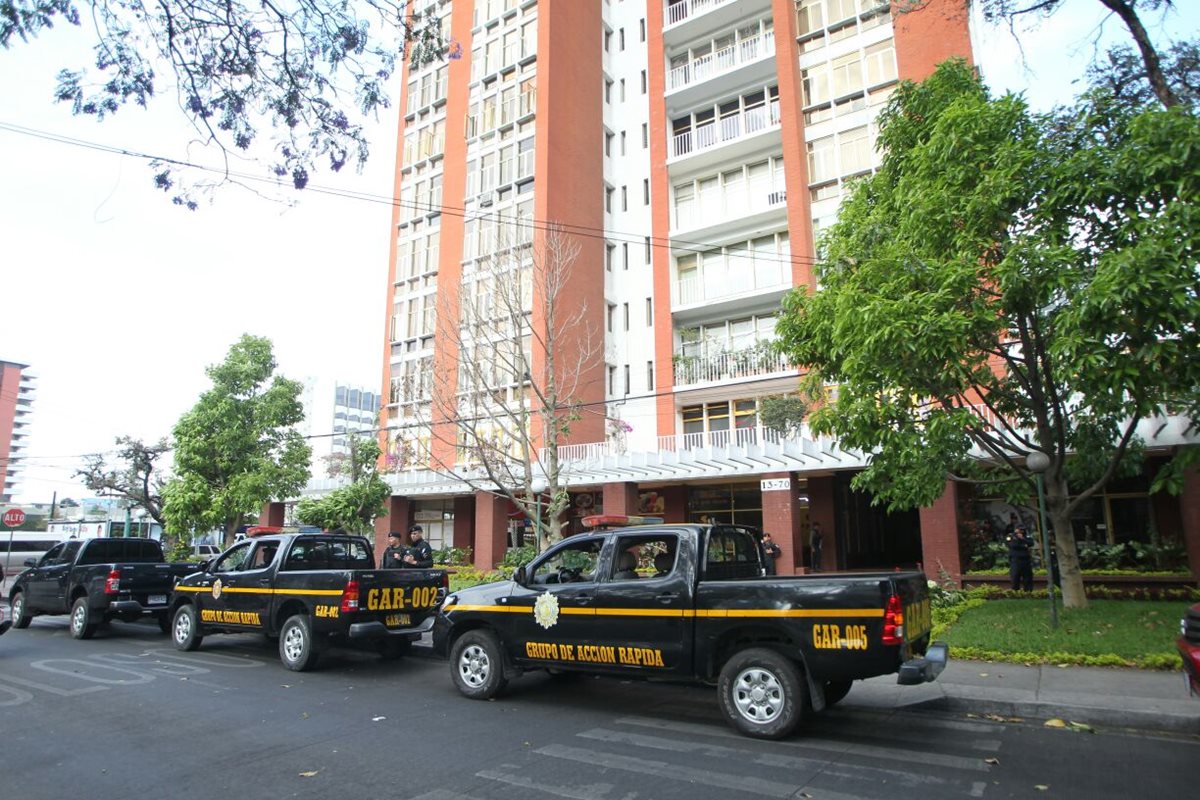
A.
x: 519, y: 576
x: 29, y: 562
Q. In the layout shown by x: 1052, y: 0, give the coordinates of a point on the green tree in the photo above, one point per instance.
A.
x: 236, y: 448
x: 307, y: 72
x: 355, y: 506
x: 1008, y: 283
x: 135, y: 478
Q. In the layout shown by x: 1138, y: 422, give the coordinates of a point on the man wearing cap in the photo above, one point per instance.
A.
x: 393, y: 555
x: 1020, y: 560
x: 420, y: 555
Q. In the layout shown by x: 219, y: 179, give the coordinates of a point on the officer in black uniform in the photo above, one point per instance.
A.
x: 1020, y: 560
x: 772, y: 552
x: 419, y: 554
x: 393, y: 555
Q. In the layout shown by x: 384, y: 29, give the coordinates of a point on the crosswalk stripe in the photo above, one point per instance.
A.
x: 593, y: 791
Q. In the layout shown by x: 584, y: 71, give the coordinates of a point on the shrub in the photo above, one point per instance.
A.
x: 453, y: 556
x: 518, y: 556
x: 470, y: 576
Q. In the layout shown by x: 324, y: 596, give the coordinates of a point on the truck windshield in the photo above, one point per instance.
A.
x: 731, y: 554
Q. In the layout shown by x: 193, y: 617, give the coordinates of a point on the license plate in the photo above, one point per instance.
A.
x: 397, y: 620
x: 157, y: 599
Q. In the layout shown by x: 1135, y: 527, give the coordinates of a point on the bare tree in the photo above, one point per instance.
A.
x: 507, y: 385
x: 137, y: 477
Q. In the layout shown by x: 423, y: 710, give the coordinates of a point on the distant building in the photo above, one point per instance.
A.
x: 16, y: 401
x: 332, y: 412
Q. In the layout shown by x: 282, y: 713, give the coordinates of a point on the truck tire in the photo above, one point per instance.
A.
x: 82, y: 625
x: 185, y: 629
x: 20, y: 617
x: 836, y: 691
x: 762, y: 693
x: 477, y: 664
x: 298, y: 648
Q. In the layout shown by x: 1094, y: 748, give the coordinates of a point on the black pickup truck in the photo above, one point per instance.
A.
x: 95, y: 581
x: 311, y: 590
x: 691, y: 603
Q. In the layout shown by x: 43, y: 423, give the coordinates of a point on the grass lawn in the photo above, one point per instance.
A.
x: 1107, y: 633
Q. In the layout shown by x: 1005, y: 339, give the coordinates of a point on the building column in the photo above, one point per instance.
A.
x: 463, y: 534
x: 621, y: 499
x: 940, y: 546
x: 273, y: 514
x: 821, y: 509
x: 674, y: 503
x: 397, y: 518
x: 491, y: 530
x: 1189, y: 513
x: 781, y: 519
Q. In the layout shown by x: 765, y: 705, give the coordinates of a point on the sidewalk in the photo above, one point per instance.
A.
x: 1107, y: 697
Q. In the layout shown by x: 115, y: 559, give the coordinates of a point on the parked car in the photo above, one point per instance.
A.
x: 1189, y: 648
x: 5, y: 624
x: 207, y: 551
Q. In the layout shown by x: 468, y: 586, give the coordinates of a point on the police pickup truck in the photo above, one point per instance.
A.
x: 309, y: 589
x: 685, y: 602
x: 96, y: 581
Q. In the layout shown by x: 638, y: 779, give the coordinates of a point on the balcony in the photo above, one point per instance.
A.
x: 714, y: 134
x: 751, y: 362
x: 722, y: 61
x: 685, y: 19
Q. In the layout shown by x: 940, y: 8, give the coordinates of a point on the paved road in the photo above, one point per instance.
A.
x: 126, y: 716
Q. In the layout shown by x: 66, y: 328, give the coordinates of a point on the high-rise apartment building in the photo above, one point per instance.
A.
x: 16, y: 400
x: 334, y: 412
x: 690, y: 151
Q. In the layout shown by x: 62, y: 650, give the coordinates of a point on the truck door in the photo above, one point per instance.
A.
x: 213, y: 602
x: 248, y: 588
x: 48, y: 584
x: 553, y: 618
x: 644, y: 602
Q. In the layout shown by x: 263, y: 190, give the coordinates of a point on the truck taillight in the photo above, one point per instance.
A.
x: 112, y: 584
x: 446, y: 581
x: 893, y: 621
x: 350, y: 597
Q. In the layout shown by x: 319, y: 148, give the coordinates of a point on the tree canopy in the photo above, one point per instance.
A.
x: 136, y: 478
x: 308, y: 72
x: 1007, y: 283
x: 237, y: 447
x: 355, y: 506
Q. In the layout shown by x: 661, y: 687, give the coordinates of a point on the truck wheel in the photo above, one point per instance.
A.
x: 394, y: 649
x: 761, y: 693
x: 835, y: 691
x: 185, y: 630
x: 82, y: 626
x: 298, y: 648
x: 20, y: 617
x: 477, y: 663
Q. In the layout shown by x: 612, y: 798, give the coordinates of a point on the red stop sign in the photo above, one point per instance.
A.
x: 14, y: 518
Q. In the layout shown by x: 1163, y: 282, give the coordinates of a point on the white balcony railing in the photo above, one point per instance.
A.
x: 748, y: 363
x: 685, y: 9
x: 735, y: 126
x: 722, y: 61
x: 760, y: 277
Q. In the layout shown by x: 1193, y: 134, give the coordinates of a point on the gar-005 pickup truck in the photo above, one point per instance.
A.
x: 310, y: 590
x: 95, y: 581
x: 691, y: 603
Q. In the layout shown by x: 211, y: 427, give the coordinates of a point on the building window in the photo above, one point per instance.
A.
x: 622, y: 90
x: 607, y: 40
x: 612, y: 312
x: 624, y: 255
x: 612, y: 379
x: 645, y: 135
x: 642, y: 24
x: 624, y: 198
x: 650, y: 376
x: 609, y: 250
x: 625, y: 315
x: 647, y: 249
x: 608, y: 140
x: 608, y: 196
x: 649, y: 312
x: 644, y: 87
x: 607, y: 91
x: 622, y: 142
x: 626, y: 379
x: 621, y: 39
x: 646, y: 191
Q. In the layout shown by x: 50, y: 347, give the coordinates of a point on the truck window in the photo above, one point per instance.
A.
x: 731, y: 554
x: 574, y: 563
x: 264, y: 554
x: 232, y: 561
x: 644, y: 556
x: 52, y: 555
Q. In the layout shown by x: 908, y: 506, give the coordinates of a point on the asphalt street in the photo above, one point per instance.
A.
x: 127, y: 716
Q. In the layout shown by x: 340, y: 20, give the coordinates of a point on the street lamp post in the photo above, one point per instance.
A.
x: 1038, y: 462
x: 537, y: 486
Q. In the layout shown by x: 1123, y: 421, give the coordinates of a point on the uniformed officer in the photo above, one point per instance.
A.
x: 420, y: 554
x: 1020, y: 560
x: 772, y: 551
x: 393, y: 555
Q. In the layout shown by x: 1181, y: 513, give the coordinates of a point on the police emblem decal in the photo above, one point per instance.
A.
x: 545, y: 610
x: 216, y: 592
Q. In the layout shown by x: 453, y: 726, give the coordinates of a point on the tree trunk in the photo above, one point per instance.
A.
x: 1064, y: 539
x: 1158, y: 82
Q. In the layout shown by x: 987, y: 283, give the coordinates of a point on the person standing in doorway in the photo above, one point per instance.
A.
x: 772, y: 552
x: 420, y: 554
x: 814, y: 542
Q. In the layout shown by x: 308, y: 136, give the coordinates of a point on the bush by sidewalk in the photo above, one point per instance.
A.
x: 1116, y: 633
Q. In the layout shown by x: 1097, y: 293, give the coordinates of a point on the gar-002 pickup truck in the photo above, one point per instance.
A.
x: 691, y: 603
x: 95, y: 581
x: 310, y: 590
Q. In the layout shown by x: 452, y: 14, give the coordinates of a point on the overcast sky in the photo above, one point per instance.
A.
x: 119, y: 300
